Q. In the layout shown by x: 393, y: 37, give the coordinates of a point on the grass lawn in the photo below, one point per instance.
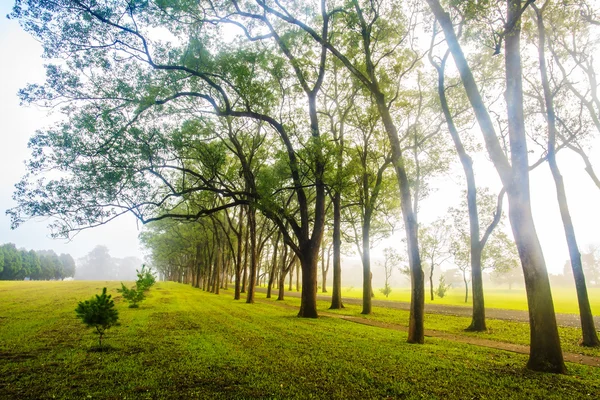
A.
x: 499, y: 330
x: 565, y: 299
x: 184, y: 343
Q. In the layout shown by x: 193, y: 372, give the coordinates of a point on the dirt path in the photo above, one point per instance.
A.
x: 450, y: 310
x: 571, y: 320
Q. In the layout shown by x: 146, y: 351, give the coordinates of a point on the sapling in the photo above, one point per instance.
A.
x: 145, y: 279
x: 442, y: 287
x: 133, y: 295
x: 98, y: 312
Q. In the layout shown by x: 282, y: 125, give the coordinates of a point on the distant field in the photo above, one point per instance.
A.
x: 185, y: 343
x: 565, y: 299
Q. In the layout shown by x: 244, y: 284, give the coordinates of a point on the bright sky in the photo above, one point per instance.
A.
x: 21, y: 63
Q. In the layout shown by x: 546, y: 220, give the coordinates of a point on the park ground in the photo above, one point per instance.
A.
x: 186, y: 343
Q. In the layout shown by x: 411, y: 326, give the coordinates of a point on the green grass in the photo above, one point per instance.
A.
x: 499, y: 330
x: 565, y: 299
x: 184, y: 343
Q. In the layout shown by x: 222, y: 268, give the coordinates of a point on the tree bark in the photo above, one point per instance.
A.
x: 466, y: 286
x: 308, y: 305
x: 431, y: 280
x: 245, y: 272
x: 366, y: 262
x: 253, y: 255
x: 273, y: 267
x: 336, y: 296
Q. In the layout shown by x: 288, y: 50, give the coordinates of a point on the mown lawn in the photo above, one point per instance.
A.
x: 499, y: 330
x: 564, y: 298
x: 184, y: 343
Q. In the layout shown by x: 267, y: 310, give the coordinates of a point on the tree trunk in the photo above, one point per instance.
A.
x: 590, y: 337
x: 282, y: 273
x: 431, y: 280
x: 336, y: 296
x: 466, y: 286
x: 366, y: 262
x: 253, y: 255
x: 545, y: 351
x: 478, y: 319
x: 218, y: 268
x: 273, y: 267
x: 416, y: 330
x: 308, y: 305
x: 281, y: 292
x: 298, y: 273
x: 245, y: 276
x: 323, y: 270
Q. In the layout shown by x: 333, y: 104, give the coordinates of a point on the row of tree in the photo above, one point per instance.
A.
x: 19, y: 264
x: 262, y: 122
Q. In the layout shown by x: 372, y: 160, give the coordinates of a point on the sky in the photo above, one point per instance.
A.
x: 21, y: 63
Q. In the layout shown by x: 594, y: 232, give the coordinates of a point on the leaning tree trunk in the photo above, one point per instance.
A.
x: 478, y: 318
x: 590, y: 337
x: 545, y: 351
x: 416, y: 330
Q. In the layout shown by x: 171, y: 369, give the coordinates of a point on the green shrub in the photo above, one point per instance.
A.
x: 133, y: 295
x: 145, y: 279
x: 442, y: 287
x: 98, y: 312
x: 386, y: 290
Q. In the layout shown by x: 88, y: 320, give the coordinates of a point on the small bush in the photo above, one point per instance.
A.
x: 98, y: 312
x: 133, y: 295
x: 145, y: 279
x: 442, y: 287
x: 386, y: 290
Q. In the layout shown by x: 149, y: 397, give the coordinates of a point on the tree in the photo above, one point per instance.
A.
x: 13, y: 264
x: 145, y: 172
x: 590, y: 337
x: 99, y: 313
x: 371, y: 194
x: 369, y: 28
x: 133, y: 295
x: 477, y: 241
x: 434, y: 240
x: 545, y: 351
x: 32, y: 267
x: 97, y: 265
x: 390, y: 261
x: 68, y: 265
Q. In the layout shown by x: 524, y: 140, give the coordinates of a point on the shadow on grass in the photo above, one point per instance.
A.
x: 107, y: 348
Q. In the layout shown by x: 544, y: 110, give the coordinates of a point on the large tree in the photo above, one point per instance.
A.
x: 545, y: 350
